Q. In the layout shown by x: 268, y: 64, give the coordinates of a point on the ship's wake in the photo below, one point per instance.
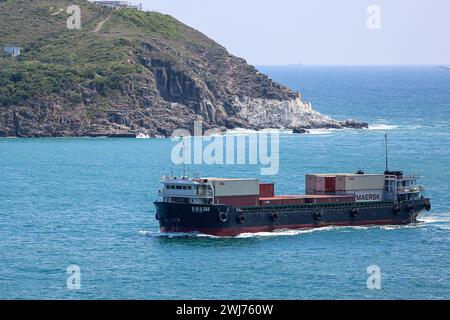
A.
x: 444, y: 218
x: 279, y: 233
x: 439, y: 220
x: 284, y: 232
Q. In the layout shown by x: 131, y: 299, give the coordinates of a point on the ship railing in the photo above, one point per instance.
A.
x: 412, y: 189
x: 410, y: 177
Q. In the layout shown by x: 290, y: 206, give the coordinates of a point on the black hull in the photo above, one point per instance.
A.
x: 223, y: 220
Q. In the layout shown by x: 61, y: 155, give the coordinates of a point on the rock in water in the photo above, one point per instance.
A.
x: 354, y: 124
x: 299, y: 131
x: 129, y: 72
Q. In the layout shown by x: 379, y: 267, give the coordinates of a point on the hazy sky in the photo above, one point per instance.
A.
x: 266, y: 32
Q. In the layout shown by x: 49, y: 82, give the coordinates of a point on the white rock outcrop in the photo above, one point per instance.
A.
x: 264, y: 113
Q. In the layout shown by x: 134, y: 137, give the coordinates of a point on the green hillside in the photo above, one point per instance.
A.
x: 128, y: 71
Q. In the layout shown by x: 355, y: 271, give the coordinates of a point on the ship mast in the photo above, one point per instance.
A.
x: 387, y: 164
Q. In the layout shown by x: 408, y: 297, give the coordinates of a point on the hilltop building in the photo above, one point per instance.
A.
x: 11, y: 51
x: 118, y: 4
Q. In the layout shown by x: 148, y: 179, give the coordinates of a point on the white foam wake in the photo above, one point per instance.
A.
x: 157, y: 234
x: 282, y: 233
x: 445, y: 217
x: 381, y: 126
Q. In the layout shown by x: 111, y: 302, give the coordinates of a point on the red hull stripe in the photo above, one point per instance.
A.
x: 228, y: 232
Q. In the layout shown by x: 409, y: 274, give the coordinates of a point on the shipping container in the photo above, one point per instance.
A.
x: 330, y: 184
x: 340, y: 183
x: 319, y: 183
x: 266, y: 190
x: 357, y: 182
x: 310, y: 181
x: 235, y: 187
x: 343, y: 182
x: 238, y: 201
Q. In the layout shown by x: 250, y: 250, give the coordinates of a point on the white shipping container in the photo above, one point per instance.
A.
x: 235, y: 187
x: 340, y: 183
x: 360, y: 182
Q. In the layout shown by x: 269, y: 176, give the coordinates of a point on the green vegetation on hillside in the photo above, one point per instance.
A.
x: 55, y: 59
x: 148, y: 23
x: 22, y: 82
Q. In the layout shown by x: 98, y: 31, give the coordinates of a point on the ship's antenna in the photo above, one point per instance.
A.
x: 387, y: 160
x: 184, y: 158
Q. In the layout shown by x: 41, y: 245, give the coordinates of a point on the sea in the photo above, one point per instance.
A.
x: 77, y: 219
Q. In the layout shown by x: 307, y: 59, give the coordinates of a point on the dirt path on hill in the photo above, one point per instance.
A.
x: 100, y: 25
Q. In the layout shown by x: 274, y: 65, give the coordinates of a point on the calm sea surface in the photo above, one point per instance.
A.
x: 88, y: 202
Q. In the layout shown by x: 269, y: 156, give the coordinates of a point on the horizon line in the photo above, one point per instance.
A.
x: 353, y: 65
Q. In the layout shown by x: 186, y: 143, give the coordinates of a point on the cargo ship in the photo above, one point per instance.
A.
x: 229, y: 207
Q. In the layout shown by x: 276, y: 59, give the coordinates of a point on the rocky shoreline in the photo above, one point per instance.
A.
x: 253, y: 115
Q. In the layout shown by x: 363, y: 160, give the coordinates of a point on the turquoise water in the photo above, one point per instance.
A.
x: 89, y: 202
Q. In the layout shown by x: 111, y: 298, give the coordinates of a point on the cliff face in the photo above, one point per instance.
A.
x: 130, y: 72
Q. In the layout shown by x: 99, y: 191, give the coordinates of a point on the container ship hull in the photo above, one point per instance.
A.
x: 226, y: 220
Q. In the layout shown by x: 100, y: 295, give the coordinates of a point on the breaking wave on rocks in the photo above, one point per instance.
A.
x: 244, y: 132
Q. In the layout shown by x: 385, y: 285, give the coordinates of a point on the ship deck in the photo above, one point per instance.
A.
x: 322, y: 205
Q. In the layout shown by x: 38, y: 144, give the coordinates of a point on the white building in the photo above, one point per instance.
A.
x: 118, y: 4
x: 11, y: 51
